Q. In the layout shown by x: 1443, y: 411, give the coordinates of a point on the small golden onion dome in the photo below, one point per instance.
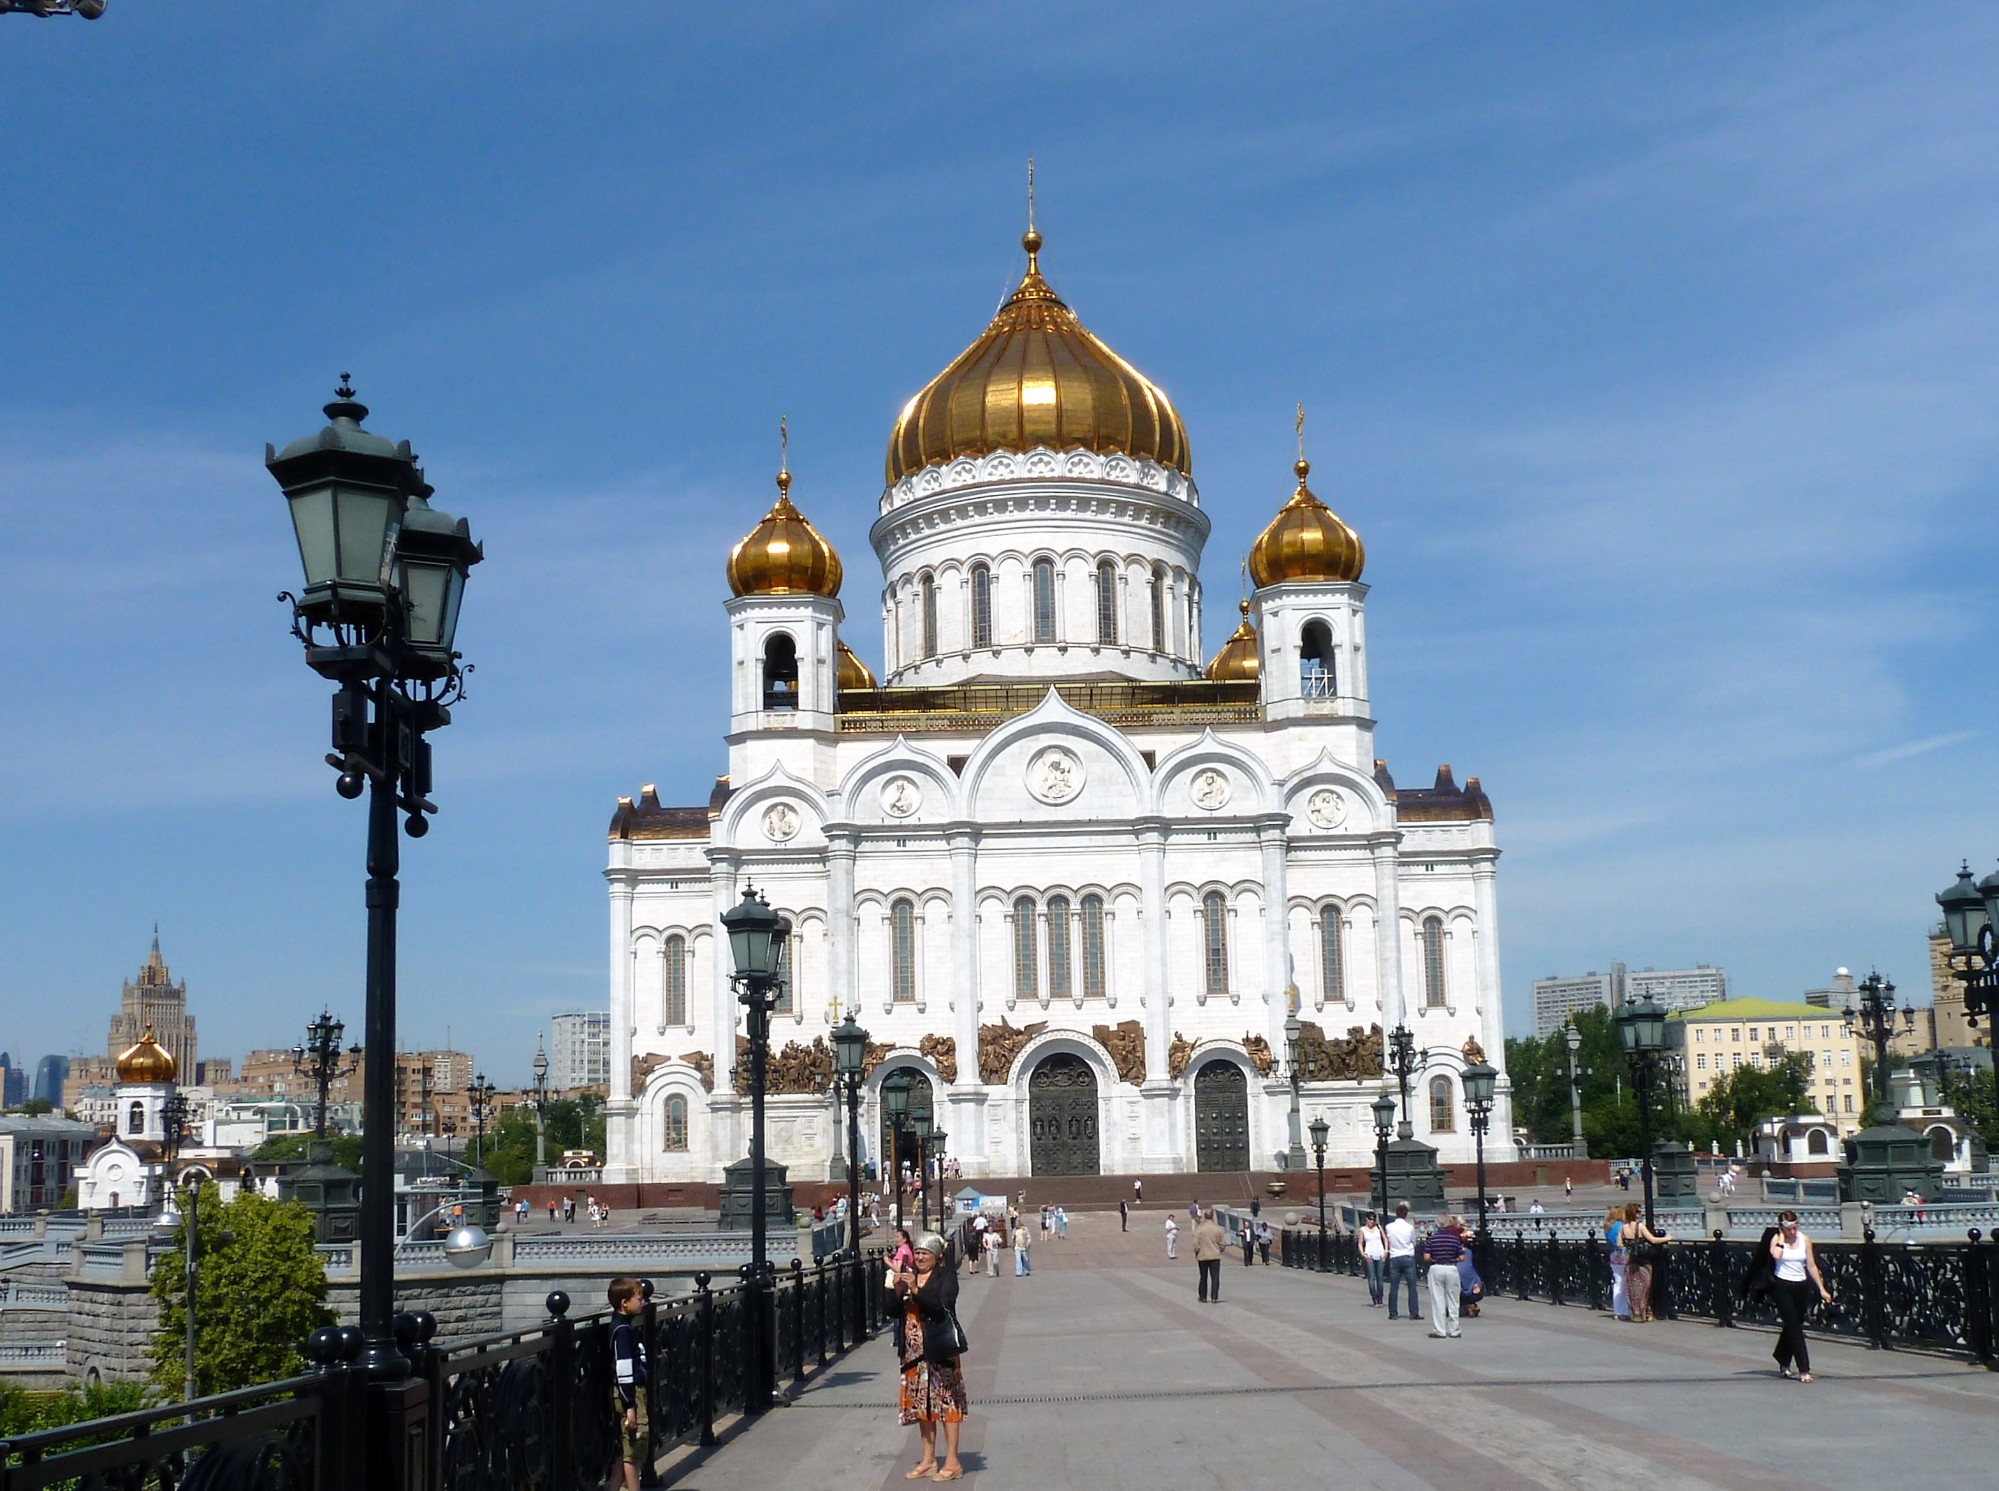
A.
x: 854, y: 673
x: 147, y: 1061
x: 784, y: 554
x: 1305, y: 541
x: 1238, y: 661
x: 1036, y: 377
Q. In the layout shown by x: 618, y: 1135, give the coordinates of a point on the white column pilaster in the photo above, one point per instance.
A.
x: 840, y: 851
x: 1276, y: 941
x: 1152, y: 909
x: 722, y: 867
x: 1388, y: 939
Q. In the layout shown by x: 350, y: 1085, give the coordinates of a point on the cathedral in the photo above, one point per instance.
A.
x: 1073, y: 875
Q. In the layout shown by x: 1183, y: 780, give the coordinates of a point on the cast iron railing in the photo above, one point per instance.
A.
x: 526, y: 1410
x: 1932, y: 1295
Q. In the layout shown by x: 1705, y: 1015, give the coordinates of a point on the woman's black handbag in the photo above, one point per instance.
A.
x: 943, y: 1337
x: 1642, y: 1254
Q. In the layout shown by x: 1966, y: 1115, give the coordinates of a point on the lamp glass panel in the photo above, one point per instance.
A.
x: 895, y: 1096
x: 368, y: 529
x: 312, y: 521
x: 1384, y: 1113
x: 1479, y: 1081
x: 426, y: 586
x: 850, y: 1047
x: 1320, y: 1129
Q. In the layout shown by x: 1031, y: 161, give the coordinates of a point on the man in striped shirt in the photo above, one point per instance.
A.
x: 1443, y: 1250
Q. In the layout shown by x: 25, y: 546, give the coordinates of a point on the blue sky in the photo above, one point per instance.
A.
x: 1651, y: 351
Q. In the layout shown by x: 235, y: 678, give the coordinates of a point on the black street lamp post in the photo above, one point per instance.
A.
x: 1479, y: 1081
x: 321, y: 1059
x: 1294, y: 1153
x: 483, y: 1097
x: 895, y: 1105
x: 1872, y: 1017
x: 1320, y: 1129
x: 921, y: 1125
x: 1573, y: 1038
x: 756, y: 943
x: 1384, y: 1125
x: 850, y: 1060
x: 540, y: 1111
x: 1404, y: 1063
x: 1641, y: 1030
x: 940, y: 1144
x: 1971, y: 917
x: 384, y: 575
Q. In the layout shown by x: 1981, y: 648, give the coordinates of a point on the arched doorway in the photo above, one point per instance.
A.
x: 1062, y: 1117
x: 1221, y: 1117
x: 921, y: 1105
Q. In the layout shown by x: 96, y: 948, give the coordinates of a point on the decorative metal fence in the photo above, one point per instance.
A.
x: 528, y: 1410
x: 1932, y: 1295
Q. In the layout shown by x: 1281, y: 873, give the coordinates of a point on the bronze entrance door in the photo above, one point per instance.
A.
x: 1221, y: 1117
x: 1062, y: 1117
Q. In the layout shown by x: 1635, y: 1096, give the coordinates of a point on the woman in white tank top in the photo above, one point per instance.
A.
x: 1798, y: 1279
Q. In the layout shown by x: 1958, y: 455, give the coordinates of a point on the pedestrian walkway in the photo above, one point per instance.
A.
x: 1101, y: 1370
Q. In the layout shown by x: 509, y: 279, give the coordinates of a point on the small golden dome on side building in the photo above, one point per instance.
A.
x: 1306, y: 541
x: 854, y: 673
x: 146, y: 1061
x: 1239, y: 661
x: 1037, y: 376
x: 784, y: 554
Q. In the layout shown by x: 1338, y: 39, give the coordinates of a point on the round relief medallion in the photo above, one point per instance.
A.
x: 1209, y: 789
x: 780, y: 822
x: 901, y: 797
x: 1054, y: 775
x: 1327, y: 807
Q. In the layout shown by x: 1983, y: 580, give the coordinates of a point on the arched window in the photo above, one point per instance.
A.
x: 1815, y: 1143
x: 1443, y: 1107
x: 1159, y: 610
x: 1315, y: 662
x: 1026, y: 957
x: 1943, y: 1145
x: 787, y: 963
x: 928, y: 585
x: 674, y: 1126
x: 675, y: 979
x: 1215, y: 940
x: 1106, y: 603
x: 902, y: 951
x: 1044, y: 600
x: 1093, y: 947
x: 1433, y: 963
x: 780, y: 672
x: 135, y: 1119
x: 1332, y: 954
x: 982, y: 606
x: 1060, y: 985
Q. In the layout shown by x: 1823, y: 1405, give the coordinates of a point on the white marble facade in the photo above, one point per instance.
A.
x: 1025, y: 843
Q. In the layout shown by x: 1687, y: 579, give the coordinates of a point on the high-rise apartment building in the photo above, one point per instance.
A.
x: 155, y: 1000
x: 579, y: 1049
x: 50, y: 1074
x: 13, y: 1082
x: 1556, y: 999
x: 1678, y: 988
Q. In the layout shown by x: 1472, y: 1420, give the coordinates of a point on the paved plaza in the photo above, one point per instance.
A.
x: 1102, y: 1370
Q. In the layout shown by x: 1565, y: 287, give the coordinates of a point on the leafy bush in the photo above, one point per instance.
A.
x: 24, y: 1412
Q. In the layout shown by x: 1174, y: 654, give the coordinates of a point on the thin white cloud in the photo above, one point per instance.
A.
x: 1913, y: 748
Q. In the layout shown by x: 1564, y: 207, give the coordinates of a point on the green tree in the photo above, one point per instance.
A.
x: 1970, y: 1093
x: 260, y: 1291
x: 345, y: 1149
x: 24, y: 1412
x: 573, y: 1123
x: 1739, y: 1100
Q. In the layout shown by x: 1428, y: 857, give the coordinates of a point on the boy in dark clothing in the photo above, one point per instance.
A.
x: 629, y: 1376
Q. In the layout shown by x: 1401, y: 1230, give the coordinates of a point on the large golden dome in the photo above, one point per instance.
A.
x: 853, y: 673
x: 784, y: 554
x: 1036, y: 377
x: 1239, y: 660
x: 147, y: 1061
x: 1305, y: 541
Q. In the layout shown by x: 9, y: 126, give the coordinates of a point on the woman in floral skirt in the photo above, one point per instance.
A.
x: 933, y: 1381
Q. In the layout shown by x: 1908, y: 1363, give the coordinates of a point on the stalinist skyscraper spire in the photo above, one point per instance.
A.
x: 155, y: 999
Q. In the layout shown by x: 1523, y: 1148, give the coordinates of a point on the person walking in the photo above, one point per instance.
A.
x: 1246, y: 1236
x: 1022, y: 1264
x: 1124, y: 1216
x: 1443, y: 1249
x: 1797, y: 1280
x: 1138, y: 1193
x: 933, y: 1377
x: 1061, y: 1224
x: 1568, y: 1188
x: 1641, y: 1251
x: 1402, y: 1259
x: 1209, y: 1243
x: 1264, y: 1238
x: 1613, y: 1238
x: 1374, y: 1253
x: 1172, y: 1236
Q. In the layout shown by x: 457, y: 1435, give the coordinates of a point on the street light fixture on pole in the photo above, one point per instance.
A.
x: 1384, y: 1125
x: 483, y: 1096
x: 1574, y: 1037
x: 540, y: 1110
x: 922, y: 1125
x: 1320, y: 1129
x: 1294, y: 1153
x: 895, y: 1107
x: 850, y: 1061
x: 1872, y: 1018
x: 320, y: 1058
x: 1479, y: 1081
x: 384, y: 575
x: 1641, y: 1030
x: 1971, y: 917
x: 1404, y: 1063
x: 756, y: 943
